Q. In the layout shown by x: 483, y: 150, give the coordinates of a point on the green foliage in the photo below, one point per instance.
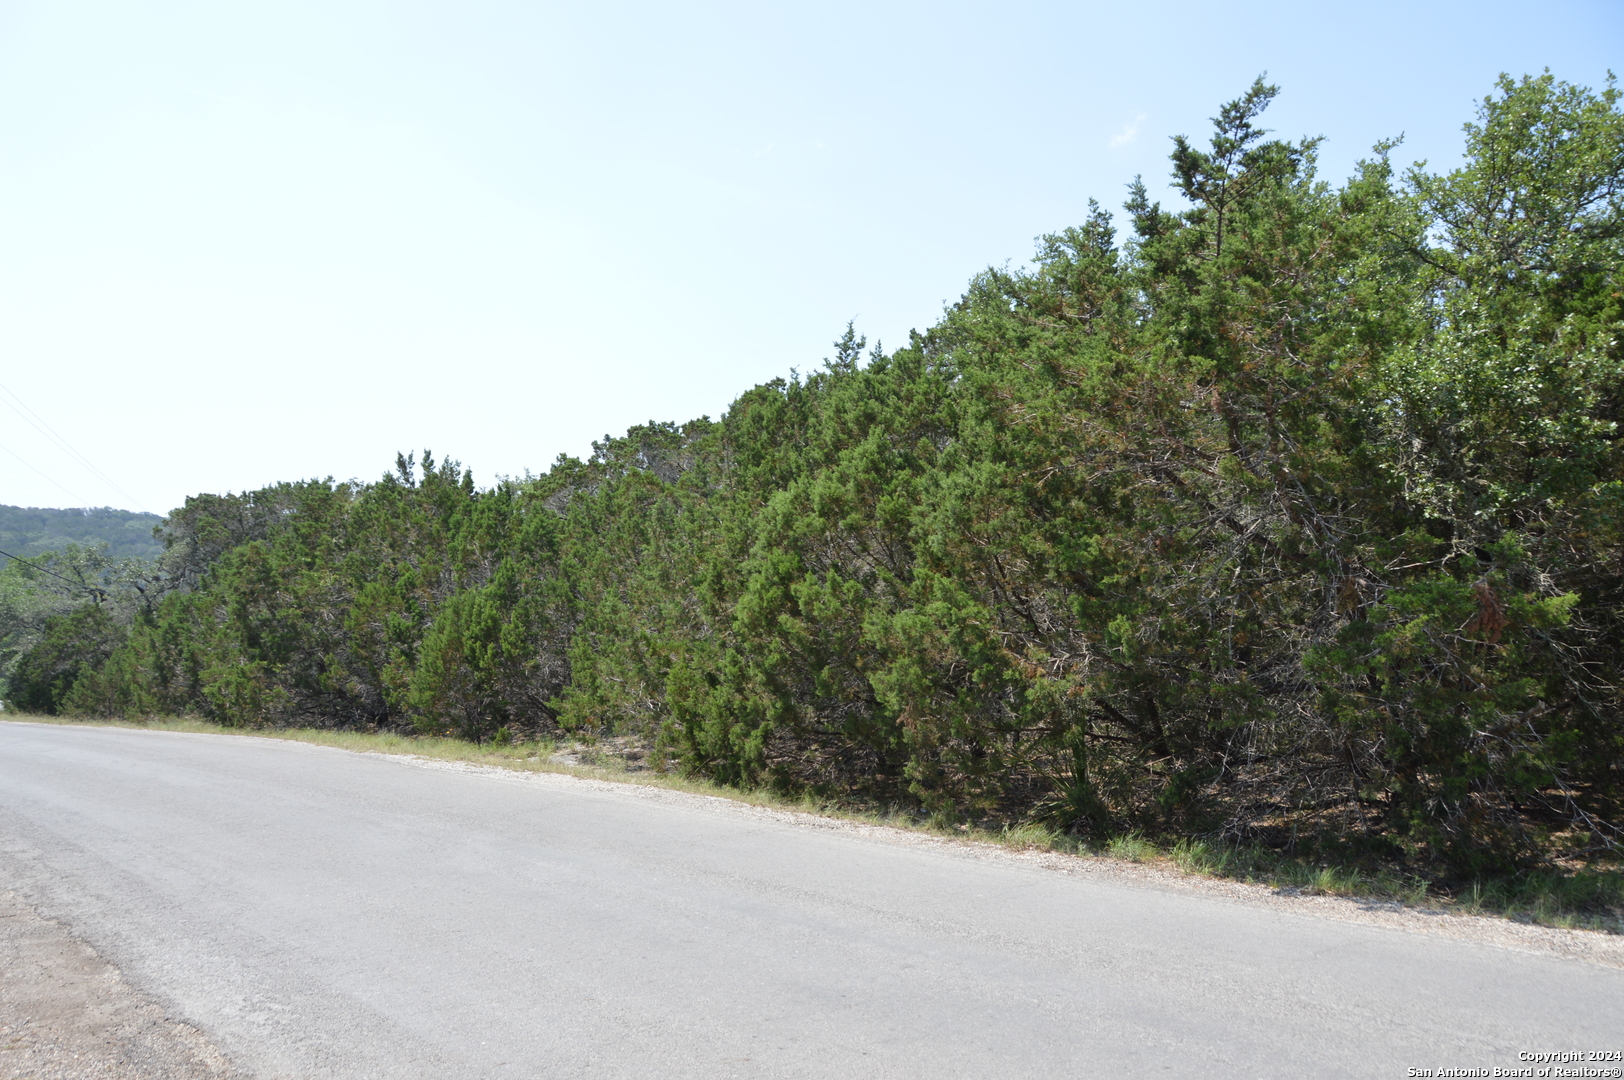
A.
x: 73, y: 646
x: 32, y: 530
x: 36, y: 590
x: 1290, y: 517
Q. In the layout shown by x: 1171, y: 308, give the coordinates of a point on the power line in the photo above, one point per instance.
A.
x: 19, y: 457
x: 99, y: 594
x: 39, y: 423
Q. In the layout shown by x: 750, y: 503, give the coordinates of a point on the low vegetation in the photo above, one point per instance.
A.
x: 1280, y: 535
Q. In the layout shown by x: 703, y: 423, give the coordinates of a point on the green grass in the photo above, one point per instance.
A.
x: 1133, y: 847
x: 1588, y: 899
x: 1585, y: 898
x: 1551, y: 899
x: 1266, y: 867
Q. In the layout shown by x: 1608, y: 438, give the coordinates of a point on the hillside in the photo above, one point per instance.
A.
x: 31, y: 530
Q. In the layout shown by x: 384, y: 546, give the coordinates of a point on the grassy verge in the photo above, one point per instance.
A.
x: 1582, y: 898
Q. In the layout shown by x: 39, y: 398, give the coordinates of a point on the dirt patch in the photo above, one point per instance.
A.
x: 67, y: 1014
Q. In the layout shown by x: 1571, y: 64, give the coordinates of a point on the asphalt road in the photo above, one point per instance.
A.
x: 317, y: 913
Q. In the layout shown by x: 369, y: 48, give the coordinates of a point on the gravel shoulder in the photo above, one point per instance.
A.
x: 66, y: 1014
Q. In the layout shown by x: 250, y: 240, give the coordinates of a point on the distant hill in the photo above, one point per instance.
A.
x: 31, y: 530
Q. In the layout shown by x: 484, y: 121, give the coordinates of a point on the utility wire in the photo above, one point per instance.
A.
x: 39, y: 423
x: 19, y: 457
x: 91, y: 589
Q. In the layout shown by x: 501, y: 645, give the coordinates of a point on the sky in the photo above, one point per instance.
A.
x: 250, y: 242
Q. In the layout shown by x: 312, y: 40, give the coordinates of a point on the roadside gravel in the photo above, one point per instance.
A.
x: 66, y: 1014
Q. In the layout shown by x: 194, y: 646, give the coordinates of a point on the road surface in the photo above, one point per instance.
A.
x: 318, y: 913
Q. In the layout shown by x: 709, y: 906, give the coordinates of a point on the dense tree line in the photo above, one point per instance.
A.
x: 32, y: 530
x: 61, y: 612
x: 1296, y: 514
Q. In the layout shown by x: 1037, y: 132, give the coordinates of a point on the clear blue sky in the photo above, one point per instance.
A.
x: 245, y: 242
